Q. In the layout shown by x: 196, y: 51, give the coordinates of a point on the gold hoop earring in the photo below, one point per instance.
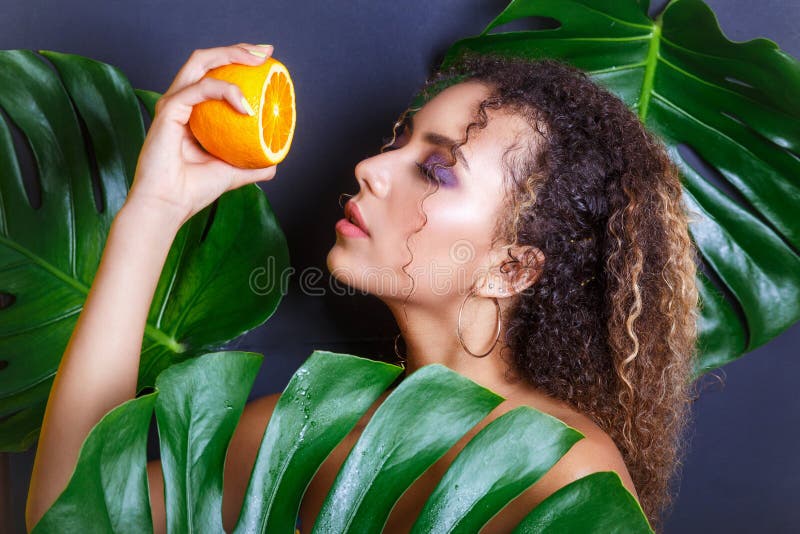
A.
x: 458, y: 326
x: 401, y: 359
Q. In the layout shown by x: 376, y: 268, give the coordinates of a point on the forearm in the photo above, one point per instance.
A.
x: 99, y: 368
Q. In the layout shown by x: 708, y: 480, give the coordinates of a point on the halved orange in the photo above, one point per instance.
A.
x: 241, y: 140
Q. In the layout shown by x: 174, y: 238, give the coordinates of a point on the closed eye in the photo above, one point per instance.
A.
x: 436, y: 169
x: 429, y: 171
x: 390, y: 143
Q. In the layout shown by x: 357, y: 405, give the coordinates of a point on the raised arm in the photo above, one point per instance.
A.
x: 174, y: 179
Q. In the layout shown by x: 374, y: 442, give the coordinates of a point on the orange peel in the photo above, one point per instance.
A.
x: 245, y: 141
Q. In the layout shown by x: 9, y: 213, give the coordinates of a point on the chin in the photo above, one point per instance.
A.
x: 333, y: 260
x: 338, y: 266
x: 350, y: 274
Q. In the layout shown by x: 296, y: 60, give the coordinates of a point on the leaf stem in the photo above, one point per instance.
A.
x: 161, y: 337
x: 150, y: 331
x: 650, y: 69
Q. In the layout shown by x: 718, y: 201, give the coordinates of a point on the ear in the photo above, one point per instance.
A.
x: 523, y: 266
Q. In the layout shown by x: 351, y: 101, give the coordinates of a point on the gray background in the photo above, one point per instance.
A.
x: 355, y: 66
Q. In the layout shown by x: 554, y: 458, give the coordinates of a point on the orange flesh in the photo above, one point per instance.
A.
x: 278, y: 98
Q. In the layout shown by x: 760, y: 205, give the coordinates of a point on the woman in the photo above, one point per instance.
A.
x: 532, y: 236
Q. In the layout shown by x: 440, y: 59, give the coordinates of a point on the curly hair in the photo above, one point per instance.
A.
x: 609, y: 326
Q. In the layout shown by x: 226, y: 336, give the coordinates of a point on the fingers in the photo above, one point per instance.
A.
x: 203, y: 60
x: 177, y: 108
x: 221, y: 176
x: 215, y: 171
x: 240, y: 177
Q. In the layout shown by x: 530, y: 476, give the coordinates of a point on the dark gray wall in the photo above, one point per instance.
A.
x: 355, y: 65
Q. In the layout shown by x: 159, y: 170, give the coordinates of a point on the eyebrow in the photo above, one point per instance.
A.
x: 440, y: 140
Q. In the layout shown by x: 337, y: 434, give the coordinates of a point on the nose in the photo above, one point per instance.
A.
x: 373, y: 174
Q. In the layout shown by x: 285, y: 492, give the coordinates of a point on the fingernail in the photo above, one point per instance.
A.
x: 259, y: 54
x: 247, y: 106
x: 266, y: 45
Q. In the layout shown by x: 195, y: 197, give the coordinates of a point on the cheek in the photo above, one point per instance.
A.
x: 454, y: 238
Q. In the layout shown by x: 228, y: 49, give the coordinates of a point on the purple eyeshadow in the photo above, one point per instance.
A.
x: 444, y: 174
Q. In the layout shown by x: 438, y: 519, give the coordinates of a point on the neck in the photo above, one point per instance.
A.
x: 430, y: 337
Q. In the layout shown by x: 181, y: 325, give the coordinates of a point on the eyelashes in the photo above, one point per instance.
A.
x: 427, y: 171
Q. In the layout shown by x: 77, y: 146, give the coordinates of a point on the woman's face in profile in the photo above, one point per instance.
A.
x: 452, y: 246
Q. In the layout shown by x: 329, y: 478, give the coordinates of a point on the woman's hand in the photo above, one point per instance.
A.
x: 173, y: 172
x: 174, y: 180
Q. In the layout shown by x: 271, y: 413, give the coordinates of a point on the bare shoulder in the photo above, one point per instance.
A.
x: 595, y: 452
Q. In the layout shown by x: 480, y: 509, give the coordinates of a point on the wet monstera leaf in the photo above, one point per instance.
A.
x: 733, y: 105
x: 414, y: 426
x: 81, y: 118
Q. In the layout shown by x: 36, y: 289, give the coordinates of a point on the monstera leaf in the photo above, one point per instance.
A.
x: 735, y: 105
x: 49, y: 253
x: 422, y: 418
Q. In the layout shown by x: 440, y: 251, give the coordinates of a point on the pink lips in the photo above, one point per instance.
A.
x: 356, y: 228
x: 348, y: 229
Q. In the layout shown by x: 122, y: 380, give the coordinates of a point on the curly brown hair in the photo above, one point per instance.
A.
x: 609, y: 326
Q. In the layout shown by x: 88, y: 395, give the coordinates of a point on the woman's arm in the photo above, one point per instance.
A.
x: 174, y: 180
x: 100, y: 365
